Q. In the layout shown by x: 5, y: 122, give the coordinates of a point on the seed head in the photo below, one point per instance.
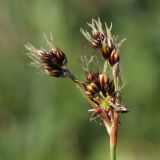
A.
x: 98, y: 86
x: 103, y: 41
x: 53, y: 62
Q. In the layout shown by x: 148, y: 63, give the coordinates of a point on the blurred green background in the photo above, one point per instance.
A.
x: 44, y: 118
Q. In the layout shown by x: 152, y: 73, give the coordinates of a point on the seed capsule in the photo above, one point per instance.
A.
x: 107, y: 48
x: 102, y: 79
x: 92, y: 88
x: 113, y: 58
x: 97, y: 40
x: 91, y: 76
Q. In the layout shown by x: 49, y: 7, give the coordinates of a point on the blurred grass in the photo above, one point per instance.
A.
x: 46, y: 118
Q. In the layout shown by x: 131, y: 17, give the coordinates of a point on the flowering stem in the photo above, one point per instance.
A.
x: 74, y: 78
x: 113, y: 136
x: 114, y: 129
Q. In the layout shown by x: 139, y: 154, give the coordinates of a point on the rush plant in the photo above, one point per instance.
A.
x: 103, y: 88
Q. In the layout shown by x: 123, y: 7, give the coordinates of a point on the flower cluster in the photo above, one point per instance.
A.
x: 53, y: 62
x: 98, y: 87
x: 103, y: 88
x: 103, y: 41
x: 102, y: 91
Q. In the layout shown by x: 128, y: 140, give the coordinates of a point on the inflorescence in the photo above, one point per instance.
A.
x: 101, y: 90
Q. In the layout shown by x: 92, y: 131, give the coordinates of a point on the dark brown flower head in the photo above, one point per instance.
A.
x: 97, y: 86
x: 100, y: 90
x: 103, y: 41
x: 54, y: 58
x: 53, y: 62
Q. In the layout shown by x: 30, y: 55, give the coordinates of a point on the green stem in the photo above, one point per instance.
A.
x: 113, y: 151
x: 117, y: 80
x: 116, y: 75
x: 105, y: 66
x: 72, y: 77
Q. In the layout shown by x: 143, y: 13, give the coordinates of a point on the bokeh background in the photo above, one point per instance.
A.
x: 44, y: 118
